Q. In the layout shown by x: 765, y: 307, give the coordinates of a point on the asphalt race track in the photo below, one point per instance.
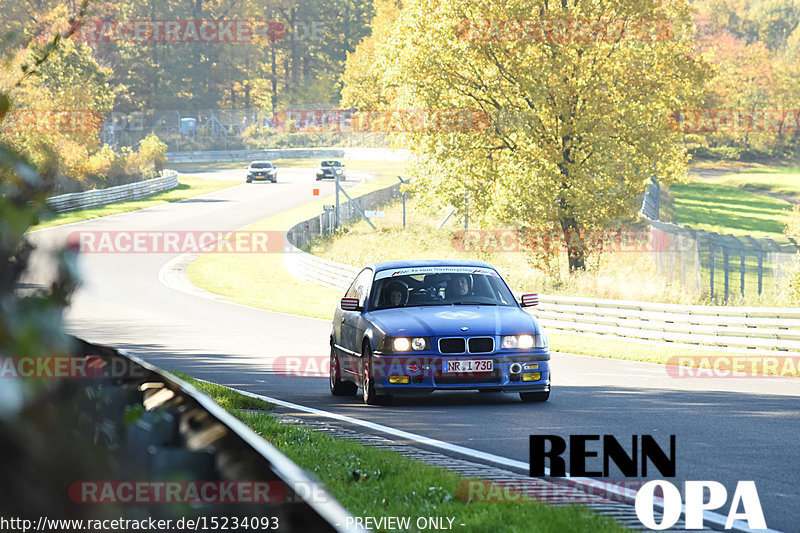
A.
x: 727, y: 429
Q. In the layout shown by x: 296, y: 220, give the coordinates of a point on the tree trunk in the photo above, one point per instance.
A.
x: 576, y: 251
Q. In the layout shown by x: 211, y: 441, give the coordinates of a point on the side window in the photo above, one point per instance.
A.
x: 362, y: 285
x: 352, y: 290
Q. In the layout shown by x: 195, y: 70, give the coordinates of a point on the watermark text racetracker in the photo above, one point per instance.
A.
x: 172, y: 492
x: 565, y: 30
x: 168, y: 242
x: 733, y: 366
x: 67, y: 367
x: 517, y: 490
x: 736, y: 120
x: 515, y: 240
x: 52, y: 121
x: 180, y: 31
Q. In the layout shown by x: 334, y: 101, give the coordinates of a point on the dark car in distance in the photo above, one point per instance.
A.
x: 413, y: 327
x: 330, y: 169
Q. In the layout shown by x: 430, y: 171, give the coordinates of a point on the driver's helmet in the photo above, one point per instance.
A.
x: 395, y: 285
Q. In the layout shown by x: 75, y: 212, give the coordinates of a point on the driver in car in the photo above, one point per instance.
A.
x: 458, y: 286
x: 397, y: 294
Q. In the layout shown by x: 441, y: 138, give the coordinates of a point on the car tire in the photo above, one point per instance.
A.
x: 339, y: 387
x: 531, y: 397
x: 249, y: 180
x: 369, y: 394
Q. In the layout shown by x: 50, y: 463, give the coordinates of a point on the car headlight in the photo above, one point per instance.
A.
x: 338, y: 170
x: 403, y: 344
x: 538, y: 340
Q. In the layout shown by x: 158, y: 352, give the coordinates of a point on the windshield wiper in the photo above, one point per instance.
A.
x: 473, y: 303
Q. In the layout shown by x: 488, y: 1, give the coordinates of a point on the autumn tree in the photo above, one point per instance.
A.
x: 572, y: 103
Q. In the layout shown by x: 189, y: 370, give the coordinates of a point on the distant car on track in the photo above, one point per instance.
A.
x: 329, y: 169
x: 409, y: 327
x: 262, y: 170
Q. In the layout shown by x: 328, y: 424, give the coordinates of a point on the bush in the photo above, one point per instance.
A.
x: 152, y: 156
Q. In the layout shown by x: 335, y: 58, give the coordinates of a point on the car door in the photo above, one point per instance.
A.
x: 351, y: 330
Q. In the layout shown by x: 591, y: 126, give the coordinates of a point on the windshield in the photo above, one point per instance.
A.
x: 439, y: 288
x: 330, y: 164
x: 261, y: 165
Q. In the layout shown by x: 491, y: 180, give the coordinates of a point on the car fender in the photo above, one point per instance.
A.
x: 372, y: 333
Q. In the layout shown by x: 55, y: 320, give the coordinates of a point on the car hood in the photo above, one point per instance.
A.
x: 447, y: 320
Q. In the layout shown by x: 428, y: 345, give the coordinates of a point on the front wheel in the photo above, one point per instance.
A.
x: 528, y: 397
x: 370, y: 396
x: 339, y: 387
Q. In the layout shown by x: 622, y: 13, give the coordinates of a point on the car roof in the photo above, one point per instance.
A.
x: 263, y: 161
x: 387, y: 265
x: 333, y: 161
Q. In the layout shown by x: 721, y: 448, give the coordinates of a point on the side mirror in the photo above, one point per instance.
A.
x: 530, y: 300
x: 349, y: 304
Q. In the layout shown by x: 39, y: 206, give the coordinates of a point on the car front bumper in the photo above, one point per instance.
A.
x: 425, y: 373
x: 265, y: 177
x: 329, y: 175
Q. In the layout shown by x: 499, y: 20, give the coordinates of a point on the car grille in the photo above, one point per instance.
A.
x: 459, y: 345
x: 452, y: 345
x: 481, y: 345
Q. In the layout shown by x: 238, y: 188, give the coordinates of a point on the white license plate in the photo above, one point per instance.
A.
x: 469, y: 365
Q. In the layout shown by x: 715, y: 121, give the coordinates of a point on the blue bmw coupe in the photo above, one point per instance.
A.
x: 412, y: 327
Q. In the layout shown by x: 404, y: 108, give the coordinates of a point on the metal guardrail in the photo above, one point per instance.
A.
x: 312, y: 269
x: 757, y: 330
x: 183, y: 434
x: 111, y: 195
x: 371, y: 154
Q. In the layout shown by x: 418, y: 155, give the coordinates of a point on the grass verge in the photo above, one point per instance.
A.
x: 381, y: 483
x: 780, y: 180
x: 188, y: 187
x: 728, y: 209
